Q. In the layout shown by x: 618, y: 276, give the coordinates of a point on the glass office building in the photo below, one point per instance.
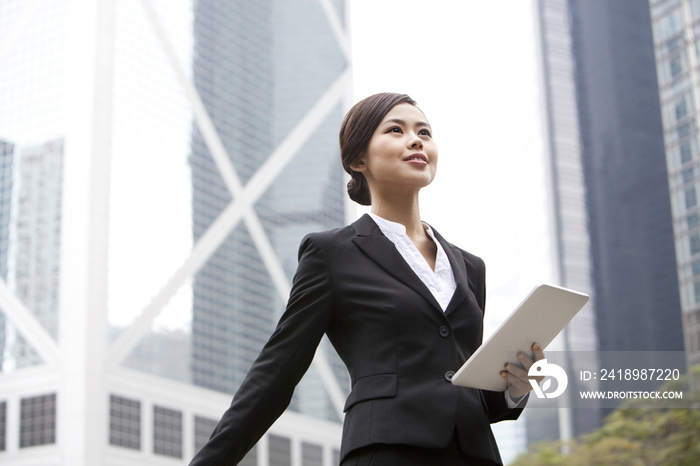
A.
x: 569, y: 219
x: 676, y: 36
x: 612, y: 212
x: 160, y: 162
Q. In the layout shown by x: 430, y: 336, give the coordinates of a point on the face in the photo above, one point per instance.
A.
x: 401, y: 153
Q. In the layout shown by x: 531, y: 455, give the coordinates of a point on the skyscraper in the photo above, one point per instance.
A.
x: 6, y: 159
x: 35, y: 225
x: 263, y: 95
x: 675, y: 41
x: 630, y: 210
x: 606, y: 150
x: 198, y: 144
x: 568, y: 208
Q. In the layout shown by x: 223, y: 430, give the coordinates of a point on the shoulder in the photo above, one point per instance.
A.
x: 340, y: 239
x: 330, y: 235
x: 475, y: 264
x: 324, y: 241
x: 476, y: 267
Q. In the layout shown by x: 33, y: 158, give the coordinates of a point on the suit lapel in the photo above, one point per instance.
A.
x: 459, y: 269
x: 381, y: 250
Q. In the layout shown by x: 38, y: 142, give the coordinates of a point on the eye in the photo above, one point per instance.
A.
x: 425, y: 132
x: 394, y: 129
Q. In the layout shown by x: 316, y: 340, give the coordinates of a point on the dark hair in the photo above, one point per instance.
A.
x: 357, y: 129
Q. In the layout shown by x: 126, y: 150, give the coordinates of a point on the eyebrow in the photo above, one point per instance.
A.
x: 402, y: 122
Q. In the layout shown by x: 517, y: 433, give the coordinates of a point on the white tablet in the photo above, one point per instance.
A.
x: 539, y: 318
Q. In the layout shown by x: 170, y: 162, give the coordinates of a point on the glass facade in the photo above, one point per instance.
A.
x: 243, y: 60
x: 612, y: 212
x: 36, y: 230
x: 568, y: 211
x: 216, y: 123
x: 37, y: 423
x: 3, y: 425
x: 203, y: 427
x: 280, y: 451
x: 676, y: 27
x: 167, y: 432
x: 632, y: 239
x: 6, y: 162
x: 255, y: 96
x: 124, y: 422
x: 32, y: 127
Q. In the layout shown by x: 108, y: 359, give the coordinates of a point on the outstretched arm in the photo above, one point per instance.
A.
x: 267, y: 389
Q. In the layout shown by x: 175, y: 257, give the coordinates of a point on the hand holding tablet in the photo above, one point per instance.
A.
x: 539, y: 318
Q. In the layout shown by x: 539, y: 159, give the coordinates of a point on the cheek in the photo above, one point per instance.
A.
x: 379, y: 150
x: 433, y: 154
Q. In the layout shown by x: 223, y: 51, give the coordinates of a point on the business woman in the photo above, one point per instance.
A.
x: 402, y: 307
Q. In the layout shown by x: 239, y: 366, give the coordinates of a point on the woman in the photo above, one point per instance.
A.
x: 402, y: 307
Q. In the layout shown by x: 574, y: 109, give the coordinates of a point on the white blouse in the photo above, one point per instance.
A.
x: 440, y: 282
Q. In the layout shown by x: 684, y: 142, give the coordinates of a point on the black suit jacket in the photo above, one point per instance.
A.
x: 398, y: 345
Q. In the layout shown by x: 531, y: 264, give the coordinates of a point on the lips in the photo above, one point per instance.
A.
x: 416, y: 158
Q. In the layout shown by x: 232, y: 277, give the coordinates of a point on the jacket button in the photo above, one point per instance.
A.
x: 444, y: 331
x: 449, y: 375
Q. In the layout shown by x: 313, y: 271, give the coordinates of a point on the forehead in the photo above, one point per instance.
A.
x: 406, y: 112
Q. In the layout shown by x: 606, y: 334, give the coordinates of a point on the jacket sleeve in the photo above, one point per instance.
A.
x: 267, y: 389
x: 498, y: 407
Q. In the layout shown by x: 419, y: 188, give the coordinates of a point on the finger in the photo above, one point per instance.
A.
x: 523, y: 374
x: 517, y: 387
x: 515, y: 381
x: 515, y: 372
x: 525, y: 360
x: 539, y: 353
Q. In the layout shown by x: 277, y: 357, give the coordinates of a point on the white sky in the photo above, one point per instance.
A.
x: 472, y: 67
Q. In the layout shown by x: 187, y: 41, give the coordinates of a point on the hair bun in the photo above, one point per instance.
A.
x: 358, y: 190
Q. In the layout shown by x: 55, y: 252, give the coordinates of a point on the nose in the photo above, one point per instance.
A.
x: 416, y: 142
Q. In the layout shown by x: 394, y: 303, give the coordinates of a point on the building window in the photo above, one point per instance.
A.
x: 675, y: 66
x: 167, y: 432
x: 694, y: 8
x: 688, y: 175
x: 683, y: 131
x: 693, y: 221
x: 672, y: 45
x: 694, y: 244
x: 3, y: 424
x: 691, y: 199
x: 124, y: 422
x: 686, y: 153
x: 251, y: 459
x: 203, y: 427
x: 681, y: 109
x: 311, y: 455
x: 280, y: 451
x: 37, y: 421
x: 670, y: 24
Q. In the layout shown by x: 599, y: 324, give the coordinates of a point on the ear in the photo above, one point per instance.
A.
x: 358, y: 165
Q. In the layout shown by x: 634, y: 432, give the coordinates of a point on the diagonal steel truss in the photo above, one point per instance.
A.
x: 240, y: 209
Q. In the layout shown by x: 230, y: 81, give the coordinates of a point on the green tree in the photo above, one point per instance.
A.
x: 635, y: 434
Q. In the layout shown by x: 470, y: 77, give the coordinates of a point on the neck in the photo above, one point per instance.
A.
x: 400, y: 209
